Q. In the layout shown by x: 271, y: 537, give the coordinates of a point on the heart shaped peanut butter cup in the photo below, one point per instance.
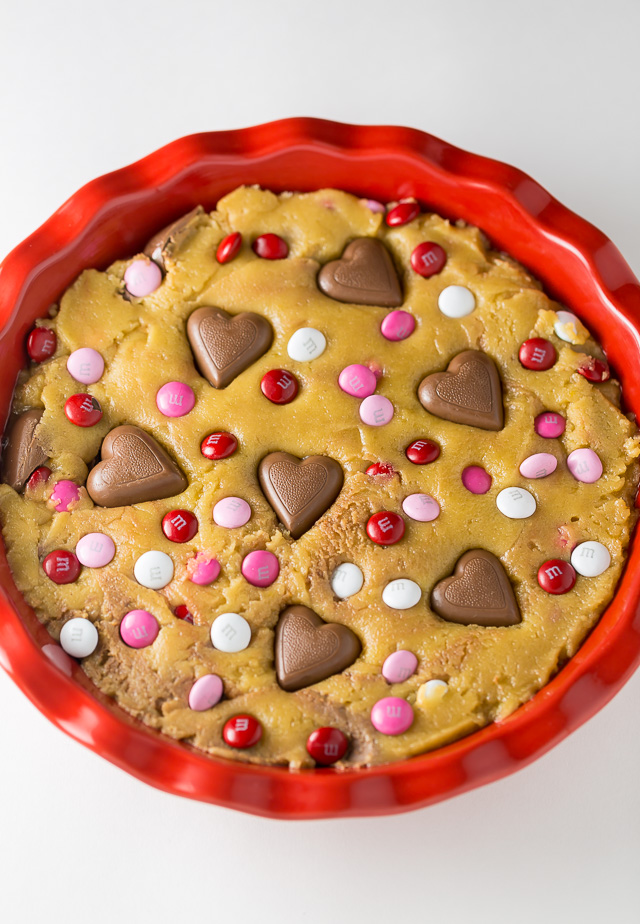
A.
x: 225, y: 345
x: 478, y: 593
x: 309, y: 650
x: 134, y: 469
x: 22, y: 453
x: 469, y: 392
x: 299, y: 490
x: 166, y: 243
x: 364, y: 275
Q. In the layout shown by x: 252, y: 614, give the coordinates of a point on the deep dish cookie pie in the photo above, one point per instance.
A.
x: 312, y: 480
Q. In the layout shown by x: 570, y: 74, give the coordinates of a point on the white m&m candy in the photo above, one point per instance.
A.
x: 230, y: 632
x: 79, y: 637
x: 402, y: 594
x: 347, y: 580
x: 568, y: 327
x: 153, y: 569
x: 590, y: 558
x: 306, y: 344
x: 516, y: 503
x: 456, y: 301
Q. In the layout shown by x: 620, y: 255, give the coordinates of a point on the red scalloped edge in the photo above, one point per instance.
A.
x: 113, y: 215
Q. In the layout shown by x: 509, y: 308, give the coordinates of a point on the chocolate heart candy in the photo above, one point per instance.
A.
x: 167, y: 243
x: 22, y: 453
x: 478, y: 593
x: 299, y: 490
x: 309, y: 650
x: 469, y: 392
x: 225, y: 345
x: 364, y: 275
x: 134, y: 469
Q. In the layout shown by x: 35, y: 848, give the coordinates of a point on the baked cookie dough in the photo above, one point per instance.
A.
x: 312, y: 481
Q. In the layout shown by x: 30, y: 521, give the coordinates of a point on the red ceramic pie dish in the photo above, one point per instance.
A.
x: 114, y: 216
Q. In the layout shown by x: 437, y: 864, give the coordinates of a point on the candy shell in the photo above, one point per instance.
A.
x: 398, y: 325
x: 347, y: 580
x: 376, y: 411
x: 399, y: 666
x: 261, y: 568
x: 306, y: 344
x: 428, y: 259
x: 242, y: 731
x: 205, y: 692
x: 549, y: 425
x: 516, y: 503
x: 584, y: 465
x: 142, y: 277
x: 591, y: 558
x: 85, y: 365
x: 153, y: 569
x: 357, y: 380
x: 431, y: 692
x: 392, y: 715
x: 539, y: 465
x: 231, y: 512
x: 61, y: 566
x: 421, y: 507
x: 175, y: 399
x: 79, y: 637
x: 385, y: 527
x: 139, y: 629
x: 279, y: 386
x: 567, y: 327
x: 230, y: 632
x: 476, y: 479
x: 327, y: 745
x: 456, y: 301
x: 64, y: 494
x: 203, y: 569
x: 556, y: 576
x: 402, y: 594
x: 95, y: 550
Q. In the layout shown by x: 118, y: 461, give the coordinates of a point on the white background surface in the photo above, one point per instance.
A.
x: 552, y: 87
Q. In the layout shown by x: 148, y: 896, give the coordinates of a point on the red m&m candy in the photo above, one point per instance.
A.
x: 537, y: 354
x: 594, y: 370
x: 556, y: 576
x: 242, y: 731
x: 40, y: 476
x: 218, y: 445
x: 83, y: 410
x: 182, y: 612
x: 270, y: 247
x: 402, y: 214
x: 327, y: 745
x: 61, y: 567
x: 381, y: 470
x: 421, y: 452
x: 385, y: 528
x: 428, y: 259
x: 179, y: 525
x: 229, y: 247
x: 41, y: 344
x: 279, y: 386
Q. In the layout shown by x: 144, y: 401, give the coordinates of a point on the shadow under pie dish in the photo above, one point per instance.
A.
x: 376, y: 479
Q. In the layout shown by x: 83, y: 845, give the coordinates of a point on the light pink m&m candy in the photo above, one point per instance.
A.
x: 584, y: 465
x: 139, y: 629
x: 175, y: 399
x: 205, y: 693
x: 549, y: 425
x: 539, y: 465
x: 64, y: 494
x: 231, y: 512
x: 95, y: 550
x: 260, y: 568
x: 421, y: 507
x: 392, y: 715
x: 357, y: 380
x: 398, y: 325
x: 203, y: 569
x: 85, y: 365
x: 142, y: 277
x: 399, y: 666
x: 376, y: 410
x: 373, y: 205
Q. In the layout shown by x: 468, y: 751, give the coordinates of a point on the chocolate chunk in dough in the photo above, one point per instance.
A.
x: 478, y: 593
x: 364, y: 275
x: 22, y: 454
x: 469, y: 392
x: 134, y: 469
x: 225, y: 345
x: 309, y: 650
x: 167, y: 243
x: 299, y: 490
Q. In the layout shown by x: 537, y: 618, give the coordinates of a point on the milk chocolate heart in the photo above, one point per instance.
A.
x: 478, y: 593
x: 225, y: 345
x: 309, y: 650
x: 364, y: 275
x: 299, y: 490
x: 166, y: 243
x: 22, y: 453
x: 134, y: 469
x: 469, y: 392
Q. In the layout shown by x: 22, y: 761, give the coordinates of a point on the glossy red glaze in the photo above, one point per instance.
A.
x: 428, y: 259
x: 229, y: 247
x: 270, y: 247
x: 402, y: 214
x: 62, y: 567
x: 279, y: 386
x: 537, y: 354
x: 385, y: 527
x: 41, y: 344
x: 218, y: 445
x: 421, y: 452
x: 556, y: 576
x: 327, y: 745
x: 179, y: 525
x: 114, y: 216
x: 595, y: 370
x: 83, y: 410
x: 242, y: 731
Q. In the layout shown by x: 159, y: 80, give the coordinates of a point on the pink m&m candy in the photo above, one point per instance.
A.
x: 357, y: 380
x: 85, y: 365
x: 376, y: 411
x: 142, y: 277
x: 175, y: 399
x: 549, y: 425
x: 392, y: 715
x: 95, y: 550
x: 584, y: 465
x: 260, y: 568
x: 231, y: 512
x: 205, y: 693
x: 539, y: 465
x: 398, y: 325
x: 373, y: 205
x: 139, y: 629
x: 475, y: 479
x: 203, y: 569
x: 421, y: 507
x: 64, y: 494
x: 399, y: 666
